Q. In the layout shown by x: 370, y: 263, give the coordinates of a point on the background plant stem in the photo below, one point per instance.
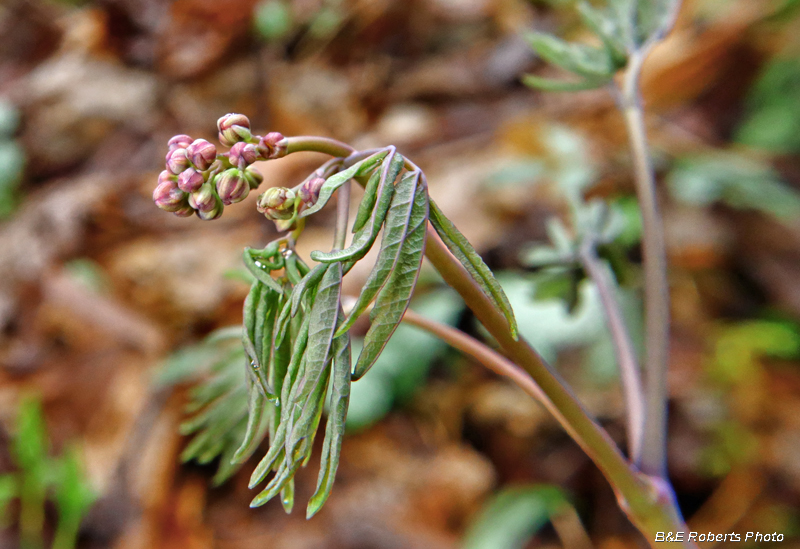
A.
x: 623, y: 348
x: 656, y: 298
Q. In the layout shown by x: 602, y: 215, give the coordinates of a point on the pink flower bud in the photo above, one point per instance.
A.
x: 177, y: 161
x: 243, y: 154
x: 202, y: 153
x: 232, y: 187
x: 277, y: 203
x: 212, y: 214
x: 179, y: 142
x: 169, y: 197
x: 233, y: 128
x: 190, y: 180
x: 272, y: 145
x: 184, y: 211
x: 253, y: 177
x: 165, y: 176
x: 204, y: 199
x: 309, y: 191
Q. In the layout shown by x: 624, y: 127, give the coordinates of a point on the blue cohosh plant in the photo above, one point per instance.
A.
x: 295, y: 335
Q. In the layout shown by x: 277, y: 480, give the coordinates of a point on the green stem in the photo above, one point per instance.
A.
x: 656, y: 298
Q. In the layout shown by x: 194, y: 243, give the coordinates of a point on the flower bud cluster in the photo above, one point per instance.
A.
x: 199, y: 180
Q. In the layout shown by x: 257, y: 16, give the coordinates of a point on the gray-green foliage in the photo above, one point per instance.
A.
x: 297, y: 349
x: 622, y: 28
x: 734, y: 180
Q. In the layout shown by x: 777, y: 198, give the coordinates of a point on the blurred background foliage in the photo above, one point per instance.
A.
x: 106, y: 303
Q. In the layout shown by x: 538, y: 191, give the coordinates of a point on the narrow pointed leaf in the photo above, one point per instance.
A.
x: 322, y: 325
x: 287, y: 496
x: 334, y: 430
x: 394, y: 234
x: 394, y: 297
x: 337, y: 180
x: 460, y: 247
x: 255, y: 413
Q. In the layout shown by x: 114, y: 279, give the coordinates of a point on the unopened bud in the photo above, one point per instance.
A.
x: 177, y: 161
x: 213, y: 213
x: 204, y: 199
x: 272, y: 145
x: 253, y: 177
x: 179, y: 142
x: 202, y: 153
x: 232, y: 187
x: 184, y: 211
x: 277, y: 203
x: 309, y: 191
x: 169, y: 197
x: 233, y: 128
x: 165, y: 176
x: 243, y: 154
x: 190, y: 180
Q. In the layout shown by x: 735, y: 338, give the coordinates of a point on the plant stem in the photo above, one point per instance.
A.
x: 623, y: 347
x: 342, y: 216
x: 483, y: 354
x: 656, y: 297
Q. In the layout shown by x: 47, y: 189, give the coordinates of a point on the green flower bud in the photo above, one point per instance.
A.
x: 277, y: 203
x: 212, y: 214
x: 253, y: 177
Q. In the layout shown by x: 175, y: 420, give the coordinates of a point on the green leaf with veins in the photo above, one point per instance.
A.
x: 334, y: 430
x: 394, y: 234
x: 394, y: 297
x: 587, y: 61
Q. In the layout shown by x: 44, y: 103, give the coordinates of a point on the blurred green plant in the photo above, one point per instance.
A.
x: 12, y: 159
x: 773, y: 108
x: 514, y: 515
x: 40, y: 474
x: 734, y: 180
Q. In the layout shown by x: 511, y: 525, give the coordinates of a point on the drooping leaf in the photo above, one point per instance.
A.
x: 365, y: 236
x: 255, y: 415
x: 278, y: 438
x: 394, y: 297
x: 460, y: 247
x: 337, y: 180
x: 608, y: 29
x: 323, y: 318
x: 588, y: 61
x: 394, y: 234
x: 550, y: 85
x: 334, y: 430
